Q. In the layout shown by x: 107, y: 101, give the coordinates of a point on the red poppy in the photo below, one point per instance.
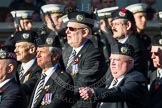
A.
x: 123, y: 10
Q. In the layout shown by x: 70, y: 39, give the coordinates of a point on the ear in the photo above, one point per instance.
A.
x: 46, y: 18
x: 55, y: 57
x: 102, y: 22
x: 129, y: 25
x: 85, y: 32
x: 10, y: 68
x: 32, y: 50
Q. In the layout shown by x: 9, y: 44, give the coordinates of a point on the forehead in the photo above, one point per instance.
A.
x: 118, y: 20
x: 117, y: 56
x: 42, y: 48
x: 21, y: 43
x: 56, y: 14
x: 140, y: 14
x: 155, y: 48
x: 73, y: 24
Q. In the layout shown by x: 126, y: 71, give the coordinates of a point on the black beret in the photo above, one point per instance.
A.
x: 48, y: 39
x: 156, y: 40
x: 123, y: 49
x: 123, y: 14
x: 81, y: 17
x: 7, y: 52
x: 25, y: 36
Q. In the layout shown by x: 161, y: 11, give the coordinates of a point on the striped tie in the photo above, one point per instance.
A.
x: 39, y: 89
x: 71, y: 58
x: 21, y: 73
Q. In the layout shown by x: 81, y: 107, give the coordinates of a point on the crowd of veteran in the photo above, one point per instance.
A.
x: 81, y: 59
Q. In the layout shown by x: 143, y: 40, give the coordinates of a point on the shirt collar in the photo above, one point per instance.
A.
x: 27, y: 65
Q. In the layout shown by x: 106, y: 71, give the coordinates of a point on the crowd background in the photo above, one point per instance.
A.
x: 6, y: 7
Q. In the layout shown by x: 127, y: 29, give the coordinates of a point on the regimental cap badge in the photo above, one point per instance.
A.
x: 3, y: 53
x: 124, y: 50
x: 80, y: 18
x: 25, y: 35
x: 49, y: 41
x: 122, y: 12
x: 160, y: 41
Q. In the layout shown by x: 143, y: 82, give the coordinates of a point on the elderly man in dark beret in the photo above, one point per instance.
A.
x: 28, y: 70
x: 55, y: 87
x: 11, y: 94
x: 82, y: 58
x: 124, y: 31
x: 127, y: 88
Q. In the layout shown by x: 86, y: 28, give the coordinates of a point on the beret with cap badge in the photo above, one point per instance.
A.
x: 123, y: 14
x: 48, y: 39
x: 25, y: 36
x: 156, y: 40
x: 123, y: 49
x: 81, y: 17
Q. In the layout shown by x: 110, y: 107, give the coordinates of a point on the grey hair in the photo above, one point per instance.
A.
x: 54, y: 50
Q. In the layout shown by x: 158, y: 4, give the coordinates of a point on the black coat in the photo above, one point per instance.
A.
x: 12, y: 96
x: 131, y: 92
x: 60, y: 84
x: 91, y: 70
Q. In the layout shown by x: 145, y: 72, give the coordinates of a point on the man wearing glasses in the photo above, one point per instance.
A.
x: 124, y: 31
x: 156, y: 76
x: 83, y: 60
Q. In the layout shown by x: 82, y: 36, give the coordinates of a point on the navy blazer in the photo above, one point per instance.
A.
x: 60, y: 85
x: 12, y: 96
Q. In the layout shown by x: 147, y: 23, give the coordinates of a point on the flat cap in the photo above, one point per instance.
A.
x: 123, y: 14
x: 25, y: 36
x: 123, y: 49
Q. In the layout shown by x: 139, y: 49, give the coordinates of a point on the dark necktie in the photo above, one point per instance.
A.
x: 21, y: 73
x: 39, y: 89
x: 71, y: 58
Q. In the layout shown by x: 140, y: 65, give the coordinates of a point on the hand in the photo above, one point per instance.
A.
x: 86, y: 92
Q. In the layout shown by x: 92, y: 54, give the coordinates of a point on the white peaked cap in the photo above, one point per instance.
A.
x: 54, y: 8
x: 138, y: 7
x: 106, y: 11
x: 22, y: 13
x: 160, y: 14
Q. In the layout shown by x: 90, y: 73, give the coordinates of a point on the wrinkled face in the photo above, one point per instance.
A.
x: 119, y: 28
x: 56, y: 19
x: 22, y: 50
x: 75, y: 34
x: 44, y: 57
x: 156, y: 56
x: 140, y: 19
x: 119, y: 65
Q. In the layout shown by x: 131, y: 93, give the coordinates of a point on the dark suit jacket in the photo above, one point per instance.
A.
x: 91, y: 70
x: 60, y: 84
x: 33, y: 74
x: 12, y: 96
x: 156, y: 91
x: 131, y: 92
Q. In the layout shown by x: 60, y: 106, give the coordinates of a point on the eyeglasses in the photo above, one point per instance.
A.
x: 117, y: 24
x: 73, y: 29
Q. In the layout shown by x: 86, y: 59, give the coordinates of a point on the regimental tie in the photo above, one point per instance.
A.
x: 21, y: 73
x: 39, y: 89
x: 115, y: 81
x: 71, y: 58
